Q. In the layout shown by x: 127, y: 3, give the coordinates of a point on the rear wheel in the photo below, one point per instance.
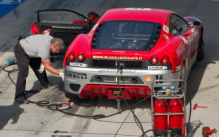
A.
x: 201, y: 51
x: 183, y: 77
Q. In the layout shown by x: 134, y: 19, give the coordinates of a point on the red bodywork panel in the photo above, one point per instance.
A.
x: 129, y: 92
x: 154, y: 15
x: 34, y: 29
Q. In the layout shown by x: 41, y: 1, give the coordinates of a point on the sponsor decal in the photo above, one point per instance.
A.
x: 78, y: 65
x: 115, y: 71
x: 160, y: 78
x: 138, y: 9
x: 67, y: 27
x: 191, y: 37
x: 186, y: 41
x: 157, y: 67
x: 116, y: 92
x: 118, y: 57
x: 180, y: 49
x: 165, y: 36
x: 166, y: 29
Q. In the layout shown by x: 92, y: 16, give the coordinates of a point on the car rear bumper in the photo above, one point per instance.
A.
x: 92, y: 82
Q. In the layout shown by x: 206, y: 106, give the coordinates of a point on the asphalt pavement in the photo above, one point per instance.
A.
x: 31, y: 120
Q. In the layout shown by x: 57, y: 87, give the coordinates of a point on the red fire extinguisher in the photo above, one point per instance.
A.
x: 160, y: 121
x: 175, y: 121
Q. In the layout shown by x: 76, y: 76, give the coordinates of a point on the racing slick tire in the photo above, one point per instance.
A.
x: 71, y: 96
x: 182, y: 76
x: 201, y: 51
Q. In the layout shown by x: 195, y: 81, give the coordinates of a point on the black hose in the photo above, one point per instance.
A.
x: 59, y: 106
x: 190, y: 111
x: 137, y: 121
x: 158, y: 130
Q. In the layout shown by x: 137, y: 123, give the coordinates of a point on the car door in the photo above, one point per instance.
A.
x: 180, y: 27
x: 61, y: 23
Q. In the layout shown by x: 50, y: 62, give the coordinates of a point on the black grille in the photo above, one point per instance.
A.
x: 112, y: 64
x: 156, y: 37
x: 112, y: 79
x: 74, y: 87
x: 95, y: 36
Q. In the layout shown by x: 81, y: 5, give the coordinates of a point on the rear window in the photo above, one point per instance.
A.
x: 126, y: 35
x: 65, y: 17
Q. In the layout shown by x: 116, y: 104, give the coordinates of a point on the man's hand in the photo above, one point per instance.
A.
x: 46, y: 63
x: 41, y: 69
x: 61, y: 74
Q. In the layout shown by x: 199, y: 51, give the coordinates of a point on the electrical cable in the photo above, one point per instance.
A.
x: 137, y: 121
x: 158, y: 130
x: 59, y: 106
x: 190, y: 111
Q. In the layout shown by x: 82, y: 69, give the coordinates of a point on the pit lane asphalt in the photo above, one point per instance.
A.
x: 31, y: 120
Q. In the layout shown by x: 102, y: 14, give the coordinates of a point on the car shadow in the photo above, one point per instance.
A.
x: 195, y: 78
x: 193, y: 87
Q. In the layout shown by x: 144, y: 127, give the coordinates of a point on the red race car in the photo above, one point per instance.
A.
x: 128, y: 49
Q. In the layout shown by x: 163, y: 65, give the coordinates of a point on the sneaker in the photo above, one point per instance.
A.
x: 51, y: 86
x: 21, y: 99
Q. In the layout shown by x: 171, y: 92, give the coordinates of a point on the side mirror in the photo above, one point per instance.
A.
x: 197, y: 23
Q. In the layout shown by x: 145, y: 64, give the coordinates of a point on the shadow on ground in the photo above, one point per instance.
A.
x: 11, y: 112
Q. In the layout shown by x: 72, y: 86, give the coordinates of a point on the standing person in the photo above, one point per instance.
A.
x: 34, y: 50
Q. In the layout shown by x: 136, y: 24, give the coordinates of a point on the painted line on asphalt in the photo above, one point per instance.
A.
x: 7, y: 6
x: 196, y: 106
x: 69, y: 102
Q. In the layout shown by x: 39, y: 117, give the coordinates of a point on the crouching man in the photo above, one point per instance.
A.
x: 34, y: 50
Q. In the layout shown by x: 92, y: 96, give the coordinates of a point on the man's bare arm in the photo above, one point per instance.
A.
x: 46, y: 63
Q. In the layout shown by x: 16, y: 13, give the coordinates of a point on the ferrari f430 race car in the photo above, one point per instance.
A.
x: 128, y: 49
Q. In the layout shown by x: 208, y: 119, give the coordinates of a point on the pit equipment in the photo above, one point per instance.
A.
x: 168, y: 108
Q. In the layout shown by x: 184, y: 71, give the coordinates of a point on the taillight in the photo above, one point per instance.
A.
x: 81, y: 57
x: 91, y: 17
x: 71, y: 56
x: 154, y: 60
x: 165, y: 60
